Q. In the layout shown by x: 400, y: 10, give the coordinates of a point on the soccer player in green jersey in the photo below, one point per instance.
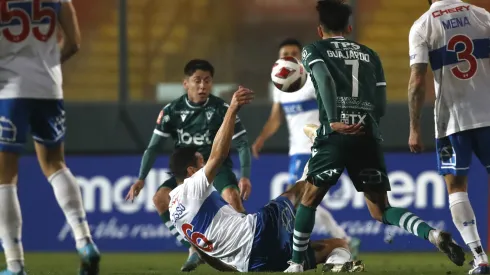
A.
x: 351, y: 93
x: 193, y: 120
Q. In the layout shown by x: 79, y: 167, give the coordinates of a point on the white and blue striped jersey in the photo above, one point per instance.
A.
x: 200, y: 214
x: 454, y: 37
x: 30, y: 64
x: 300, y: 108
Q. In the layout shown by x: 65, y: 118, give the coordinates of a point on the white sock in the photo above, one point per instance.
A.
x: 69, y: 197
x: 326, y: 219
x: 11, y: 227
x: 339, y: 255
x: 465, y: 221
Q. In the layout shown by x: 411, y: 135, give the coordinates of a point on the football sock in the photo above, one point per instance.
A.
x: 303, y: 225
x: 11, y: 227
x: 324, y: 218
x: 465, y: 221
x: 405, y: 219
x: 69, y: 198
x: 166, y: 220
x: 339, y: 255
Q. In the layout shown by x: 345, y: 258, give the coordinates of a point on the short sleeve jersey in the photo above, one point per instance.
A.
x: 454, y: 37
x: 200, y: 214
x: 357, y: 73
x: 300, y: 108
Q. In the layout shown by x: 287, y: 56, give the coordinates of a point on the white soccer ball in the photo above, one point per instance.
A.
x: 288, y: 74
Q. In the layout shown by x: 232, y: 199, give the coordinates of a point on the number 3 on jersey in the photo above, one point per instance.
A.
x: 197, y: 238
x: 21, y: 17
x: 466, y: 54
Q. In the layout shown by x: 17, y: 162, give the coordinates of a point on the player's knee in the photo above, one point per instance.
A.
x: 51, y: 159
x: 161, y: 200
x: 232, y: 196
x: 313, y: 195
x: 456, y: 183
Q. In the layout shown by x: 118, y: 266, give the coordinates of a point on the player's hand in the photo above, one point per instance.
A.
x: 245, y: 188
x: 415, y: 142
x: 356, y: 129
x: 135, y: 189
x: 310, y: 131
x: 241, y: 97
x: 257, y: 147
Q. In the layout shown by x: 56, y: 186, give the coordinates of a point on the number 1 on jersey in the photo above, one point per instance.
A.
x: 355, y: 76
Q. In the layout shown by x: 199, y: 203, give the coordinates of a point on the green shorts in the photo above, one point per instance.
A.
x: 360, y: 155
x: 224, y: 179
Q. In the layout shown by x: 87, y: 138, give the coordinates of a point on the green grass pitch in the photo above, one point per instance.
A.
x: 169, y: 264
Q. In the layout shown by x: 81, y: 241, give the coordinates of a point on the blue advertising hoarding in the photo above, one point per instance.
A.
x: 121, y: 226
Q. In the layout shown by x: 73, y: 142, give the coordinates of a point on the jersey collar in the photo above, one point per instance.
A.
x: 444, y: 2
x: 338, y: 37
x: 195, y: 106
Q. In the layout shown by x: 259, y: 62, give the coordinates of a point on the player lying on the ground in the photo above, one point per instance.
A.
x: 231, y: 241
x: 193, y: 120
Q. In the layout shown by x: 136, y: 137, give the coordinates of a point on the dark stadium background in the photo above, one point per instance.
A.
x: 130, y: 65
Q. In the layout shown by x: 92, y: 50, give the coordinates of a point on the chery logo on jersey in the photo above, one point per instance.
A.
x: 196, y: 139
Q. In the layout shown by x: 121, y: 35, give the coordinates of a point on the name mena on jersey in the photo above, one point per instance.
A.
x: 288, y: 74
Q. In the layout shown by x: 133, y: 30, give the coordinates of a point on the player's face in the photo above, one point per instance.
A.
x: 200, y: 164
x: 198, y: 86
x: 290, y: 50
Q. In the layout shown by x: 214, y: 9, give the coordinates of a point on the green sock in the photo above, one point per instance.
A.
x: 303, y: 225
x: 166, y: 220
x: 405, y: 219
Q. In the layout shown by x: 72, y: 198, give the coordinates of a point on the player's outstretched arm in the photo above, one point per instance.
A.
x: 69, y: 23
x: 222, y: 140
x: 147, y: 162
x: 270, y: 128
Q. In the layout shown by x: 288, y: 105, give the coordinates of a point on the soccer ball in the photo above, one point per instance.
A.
x: 288, y: 75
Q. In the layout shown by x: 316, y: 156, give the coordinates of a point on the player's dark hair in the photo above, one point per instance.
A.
x: 181, y: 159
x: 198, y: 64
x: 430, y: 2
x: 291, y: 42
x: 334, y: 15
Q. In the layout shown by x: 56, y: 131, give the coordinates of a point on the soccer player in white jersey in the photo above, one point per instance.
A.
x: 300, y: 108
x: 31, y: 99
x: 231, y: 241
x: 453, y: 37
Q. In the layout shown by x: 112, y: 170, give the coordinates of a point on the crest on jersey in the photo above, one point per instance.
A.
x: 183, y: 116
x: 160, y: 116
x: 209, y: 114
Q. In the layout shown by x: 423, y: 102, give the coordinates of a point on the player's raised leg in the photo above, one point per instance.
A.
x: 454, y: 159
x: 48, y: 129
x: 367, y: 170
